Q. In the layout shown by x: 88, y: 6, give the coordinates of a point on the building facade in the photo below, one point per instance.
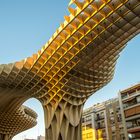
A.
x: 115, y: 119
x: 103, y: 122
x: 129, y: 100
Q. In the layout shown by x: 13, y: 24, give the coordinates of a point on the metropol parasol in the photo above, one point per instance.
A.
x: 78, y: 60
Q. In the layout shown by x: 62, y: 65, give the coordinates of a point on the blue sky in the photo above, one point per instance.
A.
x: 25, y: 25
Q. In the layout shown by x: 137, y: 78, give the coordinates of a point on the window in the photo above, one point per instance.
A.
x: 138, y: 122
x: 138, y: 99
x: 89, y: 126
x: 129, y: 124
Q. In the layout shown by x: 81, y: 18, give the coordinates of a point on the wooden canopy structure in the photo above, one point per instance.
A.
x: 78, y: 60
x: 16, y: 121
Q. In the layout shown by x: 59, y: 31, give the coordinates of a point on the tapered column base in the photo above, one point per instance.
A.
x: 63, y: 122
x: 5, y: 137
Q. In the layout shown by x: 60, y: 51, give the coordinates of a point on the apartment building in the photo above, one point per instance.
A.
x: 129, y: 100
x: 115, y: 119
x: 103, y: 122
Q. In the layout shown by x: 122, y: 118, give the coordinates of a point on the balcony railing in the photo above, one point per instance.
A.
x: 127, y: 96
x: 129, y: 105
x: 133, y: 125
x: 99, y: 118
x: 100, y: 126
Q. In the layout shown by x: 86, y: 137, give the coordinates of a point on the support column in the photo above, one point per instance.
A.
x: 63, y: 121
x: 5, y: 137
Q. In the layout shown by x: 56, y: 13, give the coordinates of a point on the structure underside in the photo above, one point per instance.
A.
x: 78, y: 60
x: 16, y: 121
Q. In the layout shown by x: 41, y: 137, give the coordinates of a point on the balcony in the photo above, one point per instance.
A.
x: 133, y: 126
x: 135, y: 110
x: 100, y: 126
x: 99, y: 117
x: 134, y: 136
x: 134, y: 129
x: 135, y: 101
x: 125, y: 97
